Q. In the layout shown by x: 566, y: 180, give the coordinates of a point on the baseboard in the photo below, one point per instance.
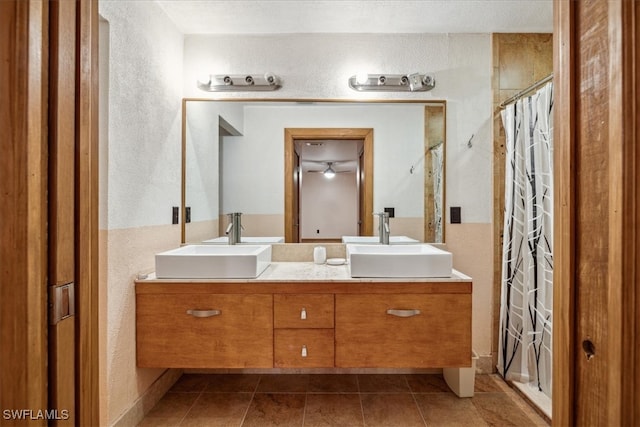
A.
x: 485, y: 365
x: 149, y: 399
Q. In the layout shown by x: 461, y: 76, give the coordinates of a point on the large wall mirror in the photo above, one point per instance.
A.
x: 313, y: 171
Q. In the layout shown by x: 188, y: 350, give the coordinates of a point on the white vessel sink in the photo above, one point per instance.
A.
x: 369, y: 240
x: 213, y: 262
x: 250, y: 240
x: 420, y: 260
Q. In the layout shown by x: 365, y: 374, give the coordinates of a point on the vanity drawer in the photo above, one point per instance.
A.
x: 303, y: 348
x: 303, y: 311
x: 222, y: 331
x: 369, y: 335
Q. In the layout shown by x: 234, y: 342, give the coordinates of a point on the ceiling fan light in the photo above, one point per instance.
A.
x: 329, y: 172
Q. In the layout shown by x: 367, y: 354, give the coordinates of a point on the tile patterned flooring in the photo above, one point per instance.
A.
x: 343, y: 400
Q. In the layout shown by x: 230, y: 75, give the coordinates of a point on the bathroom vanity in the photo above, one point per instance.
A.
x: 303, y: 315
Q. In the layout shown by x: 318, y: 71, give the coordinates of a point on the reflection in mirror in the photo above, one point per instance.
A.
x: 234, y: 161
x: 434, y: 172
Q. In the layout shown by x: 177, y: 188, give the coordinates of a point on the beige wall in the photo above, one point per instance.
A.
x: 469, y: 244
x: 519, y: 60
x: 256, y: 225
x: 126, y: 253
x: 196, y: 232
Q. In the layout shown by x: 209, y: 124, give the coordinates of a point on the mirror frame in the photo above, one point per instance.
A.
x: 429, y: 217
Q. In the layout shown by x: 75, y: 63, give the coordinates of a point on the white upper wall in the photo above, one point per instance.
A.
x: 202, y: 151
x: 144, y: 102
x: 317, y: 66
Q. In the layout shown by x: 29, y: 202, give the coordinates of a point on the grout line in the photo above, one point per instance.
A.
x: 246, y: 411
x: 304, y: 410
x: 406, y: 381
x: 413, y: 396
x: 190, y: 408
x: 364, y: 423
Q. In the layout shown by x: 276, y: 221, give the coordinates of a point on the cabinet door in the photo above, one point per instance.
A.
x: 409, y: 330
x: 204, y: 331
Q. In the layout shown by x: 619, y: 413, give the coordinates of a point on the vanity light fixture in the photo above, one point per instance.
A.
x: 230, y: 83
x: 392, y: 82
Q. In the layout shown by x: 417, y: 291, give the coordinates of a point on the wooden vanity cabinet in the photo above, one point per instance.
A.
x: 236, y: 331
x: 403, y: 330
x: 331, y: 325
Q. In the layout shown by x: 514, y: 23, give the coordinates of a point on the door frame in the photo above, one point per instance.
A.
x: 290, y: 165
x: 24, y: 382
x: 24, y: 40
x: 613, y: 368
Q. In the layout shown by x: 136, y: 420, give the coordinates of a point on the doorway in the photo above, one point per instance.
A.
x: 293, y: 175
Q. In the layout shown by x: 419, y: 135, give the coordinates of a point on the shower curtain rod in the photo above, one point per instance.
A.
x: 526, y: 91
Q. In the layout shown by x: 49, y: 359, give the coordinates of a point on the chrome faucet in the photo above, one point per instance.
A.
x: 234, y: 229
x: 383, y: 227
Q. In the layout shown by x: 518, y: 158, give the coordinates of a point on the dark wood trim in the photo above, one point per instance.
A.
x: 87, y: 238
x: 23, y: 204
x: 62, y: 201
x: 624, y: 207
x: 564, y: 214
x: 183, y: 178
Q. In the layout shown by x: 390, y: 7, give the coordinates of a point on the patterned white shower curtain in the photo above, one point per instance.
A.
x: 527, y: 252
x: 437, y: 167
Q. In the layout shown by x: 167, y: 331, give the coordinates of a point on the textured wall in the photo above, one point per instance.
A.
x: 144, y: 114
x: 142, y: 179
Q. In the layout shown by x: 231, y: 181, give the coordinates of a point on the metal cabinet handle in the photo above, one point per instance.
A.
x: 204, y: 313
x: 403, y: 313
x: 303, y: 314
x: 303, y: 353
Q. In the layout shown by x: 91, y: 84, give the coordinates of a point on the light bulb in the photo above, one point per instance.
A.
x: 329, y: 172
x: 362, y: 78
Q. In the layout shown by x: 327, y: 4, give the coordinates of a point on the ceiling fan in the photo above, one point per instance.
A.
x: 329, y: 171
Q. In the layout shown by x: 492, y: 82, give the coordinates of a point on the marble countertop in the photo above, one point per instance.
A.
x: 310, y: 272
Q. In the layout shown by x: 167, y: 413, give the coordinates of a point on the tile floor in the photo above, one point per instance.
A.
x: 337, y: 400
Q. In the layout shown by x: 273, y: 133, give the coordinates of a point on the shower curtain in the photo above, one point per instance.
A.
x: 437, y: 165
x: 527, y: 252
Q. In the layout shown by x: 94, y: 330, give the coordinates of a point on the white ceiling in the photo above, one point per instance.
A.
x: 359, y: 16
x: 315, y: 154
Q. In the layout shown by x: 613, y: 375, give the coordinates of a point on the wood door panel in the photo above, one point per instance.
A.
x: 23, y: 212
x: 440, y: 336
x: 62, y: 199
x: 241, y: 336
x: 596, y: 206
x: 592, y: 241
